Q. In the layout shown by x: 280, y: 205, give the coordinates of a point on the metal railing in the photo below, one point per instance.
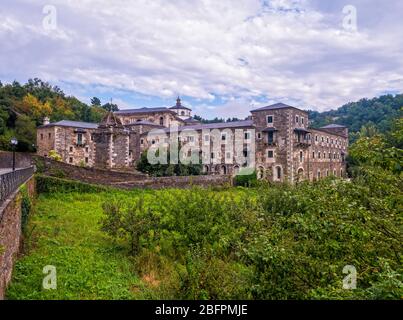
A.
x: 10, y: 181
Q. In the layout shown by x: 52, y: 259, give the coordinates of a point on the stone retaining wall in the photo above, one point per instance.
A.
x: 125, y: 180
x: 10, y: 233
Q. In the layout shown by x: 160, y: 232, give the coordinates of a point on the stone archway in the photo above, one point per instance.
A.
x: 223, y: 170
x: 300, y: 175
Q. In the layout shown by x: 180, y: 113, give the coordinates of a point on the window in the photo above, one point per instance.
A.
x: 182, y: 113
x: 223, y: 136
x: 319, y: 155
x: 316, y: 138
x: 247, y: 135
x: 86, y: 159
x: 269, y: 119
x: 330, y: 155
x: 301, y: 156
x: 86, y: 149
x: 327, y: 139
x: 141, y: 141
x: 279, y: 173
x: 270, y: 137
x: 323, y: 139
x: 228, y: 155
x: 50, y: 135
x: 70, y: 160
x: 153, y: 142
x: 41, y: 136
x: 259, y: 135
x: 71, y: 149
x: 190, y: 138
x: 296, y: 119
x: 313, y: 154
x: 245, y: 153
x: 302, y: 120
x: 318, y: 174
x: 270, y: 154
x: 161, y: 121
x: 212, y: 155
x: 79, y: 138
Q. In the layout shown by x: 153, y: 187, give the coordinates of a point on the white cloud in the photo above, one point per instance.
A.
x: 283, y: 50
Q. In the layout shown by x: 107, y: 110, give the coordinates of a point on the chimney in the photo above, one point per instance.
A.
x: 46, y: 121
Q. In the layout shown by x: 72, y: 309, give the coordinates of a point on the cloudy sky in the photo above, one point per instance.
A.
x: 223, y: 57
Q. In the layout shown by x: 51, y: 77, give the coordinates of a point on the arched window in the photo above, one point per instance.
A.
x: 301, y: 156
x: 236, y: 169
x: 300, y: 175
x: 223, y: 170
x: 182, y: 113
x: 318, y: 174
x: 260, y: 173
x: 161, y: 121
x: 278, y: 173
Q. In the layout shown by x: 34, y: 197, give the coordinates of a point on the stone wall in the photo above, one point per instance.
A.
x: 10, y: 233
x: 177, y: 182
x: 89, y: 175
x: 22, y: 160
x: 125, y: 180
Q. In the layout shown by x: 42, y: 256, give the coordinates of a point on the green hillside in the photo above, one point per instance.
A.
x: 23, y: 107
x: 368, y: 115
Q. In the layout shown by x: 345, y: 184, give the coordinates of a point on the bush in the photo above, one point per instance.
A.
x: 246, y: 180
x: 46, y: 184
x: 26, y: 207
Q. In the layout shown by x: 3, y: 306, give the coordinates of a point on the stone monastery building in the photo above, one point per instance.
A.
x: 277, y: 137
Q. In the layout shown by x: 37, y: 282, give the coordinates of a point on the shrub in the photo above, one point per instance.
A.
x: 246, y: 180
x: 46, y: 184
x: 26, y: 207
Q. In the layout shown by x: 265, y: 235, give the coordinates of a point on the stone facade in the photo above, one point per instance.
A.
x: 72, y: 140
x: 276, y: 139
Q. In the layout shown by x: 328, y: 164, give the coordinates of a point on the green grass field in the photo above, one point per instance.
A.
x: 64, y: 232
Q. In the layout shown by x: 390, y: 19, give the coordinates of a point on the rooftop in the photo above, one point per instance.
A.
x: 333, y: 126
x: 73, y: 124
x: 219, y: 125
x: 179, y: 105
x: 276, y: 106
x: 143, y: 110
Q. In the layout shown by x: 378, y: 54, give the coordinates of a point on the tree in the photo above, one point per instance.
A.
x: 110, y: 107
x: 95, y: 102
x: 25, y: 130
